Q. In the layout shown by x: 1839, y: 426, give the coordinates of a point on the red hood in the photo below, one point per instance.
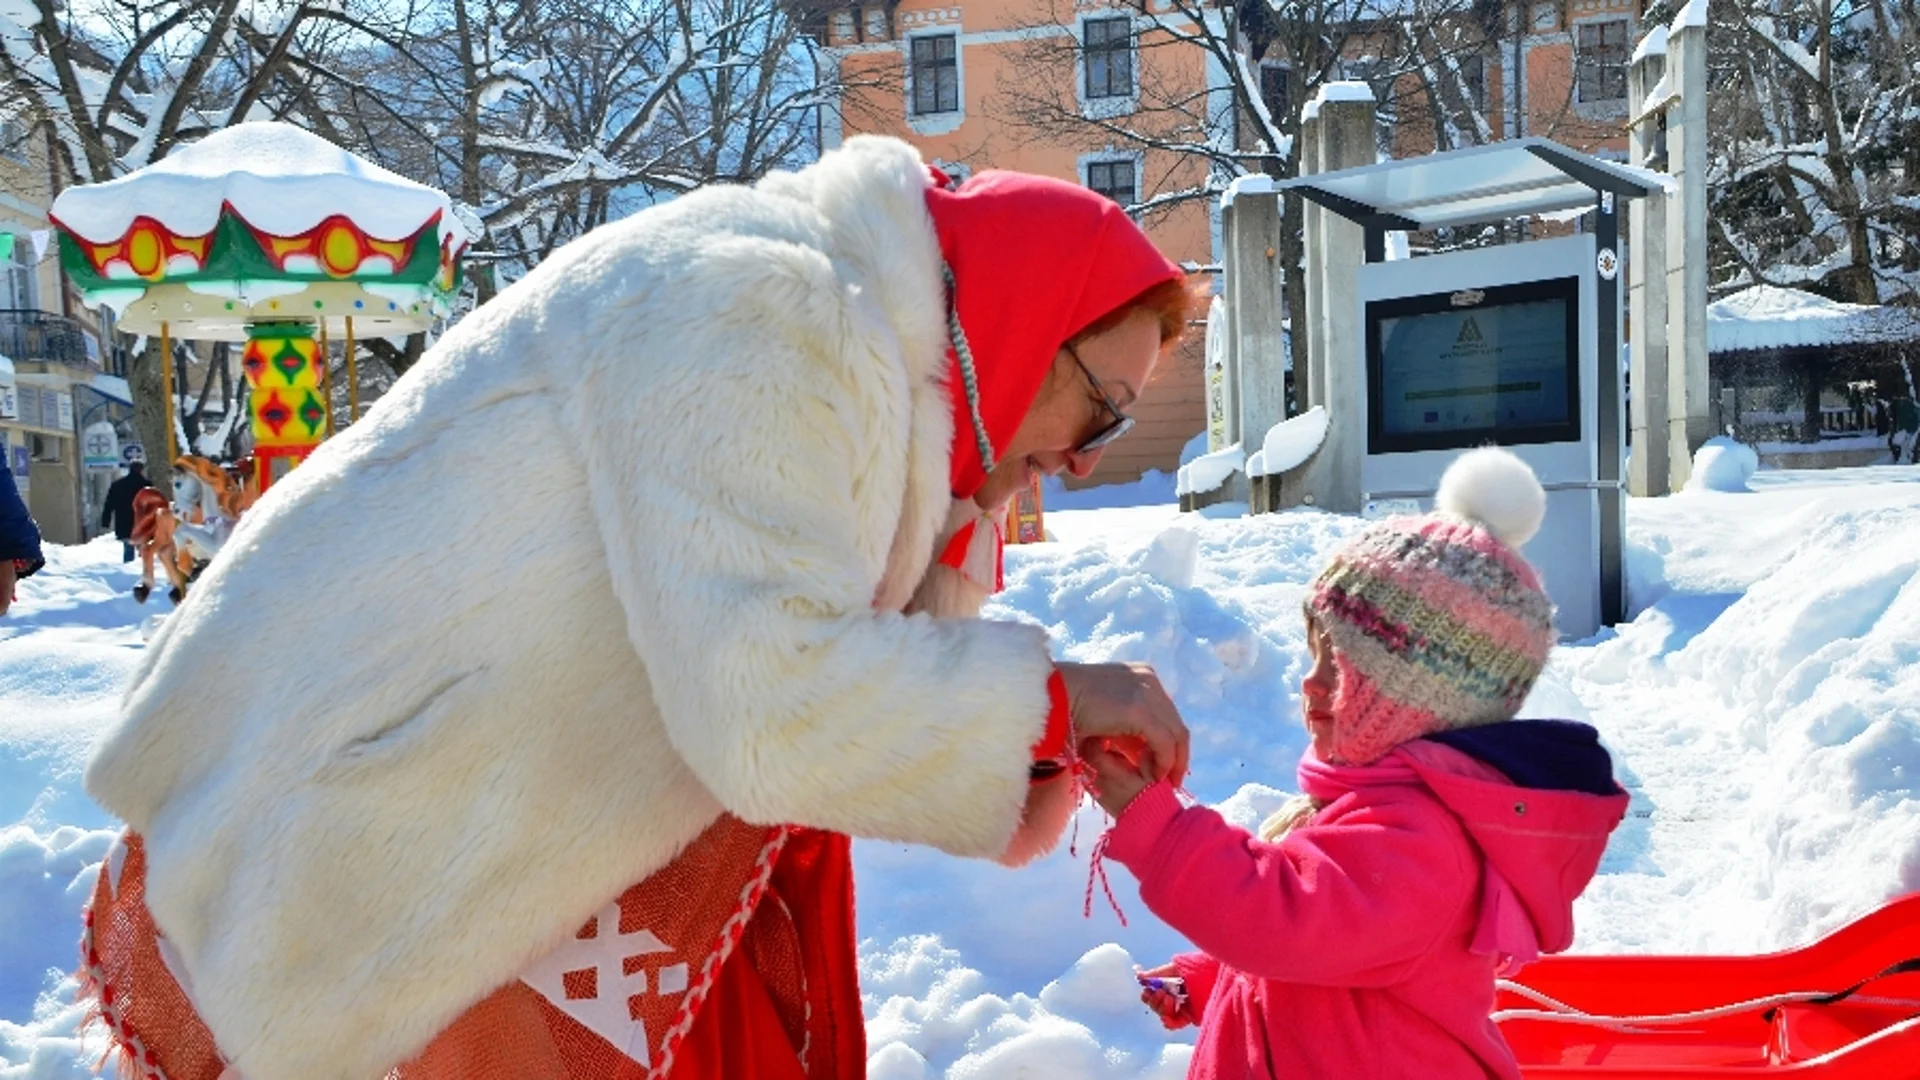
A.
x: 1035, y: 260
x: 1545, y: 842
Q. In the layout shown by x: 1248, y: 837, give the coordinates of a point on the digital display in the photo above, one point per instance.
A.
x: 1460, y: 369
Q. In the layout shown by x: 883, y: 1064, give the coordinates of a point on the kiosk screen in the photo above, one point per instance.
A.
x: 1460, y: 369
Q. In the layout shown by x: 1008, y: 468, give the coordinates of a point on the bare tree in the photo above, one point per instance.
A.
x: 1814, y: 166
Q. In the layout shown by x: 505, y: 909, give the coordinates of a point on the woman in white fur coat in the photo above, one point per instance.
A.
x: 387, y: 770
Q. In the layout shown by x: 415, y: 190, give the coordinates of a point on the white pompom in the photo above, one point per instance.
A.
x: 1492, y: 487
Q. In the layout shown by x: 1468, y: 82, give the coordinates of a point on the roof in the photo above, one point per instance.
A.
x: 1770, y: 317
x: 1514, y: 178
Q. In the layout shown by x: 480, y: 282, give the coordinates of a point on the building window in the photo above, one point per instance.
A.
x: 936, y: 74
x: 1115, y: 180
x: 1473, y: 80
x: 1274, y: 94
x: 13, y: 139
x: 876, y: 24
x: 843, y: 25
x: 1108, y: 45
x: 22, y: 284
x: 1600, y: 61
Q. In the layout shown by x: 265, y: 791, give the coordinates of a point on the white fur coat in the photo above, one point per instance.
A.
x: 607, y: 563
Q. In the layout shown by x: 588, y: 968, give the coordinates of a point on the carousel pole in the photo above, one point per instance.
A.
x: 166, y: 383
x: 353, y: 378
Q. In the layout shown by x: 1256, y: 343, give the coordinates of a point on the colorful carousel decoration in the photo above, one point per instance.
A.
x: 269, y: 235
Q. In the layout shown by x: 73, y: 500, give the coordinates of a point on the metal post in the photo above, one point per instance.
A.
x: 166, y: 389
x: 1613, y: 590
x: 353, y: 377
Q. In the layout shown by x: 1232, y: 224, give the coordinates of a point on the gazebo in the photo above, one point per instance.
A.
x: 1773, y: 353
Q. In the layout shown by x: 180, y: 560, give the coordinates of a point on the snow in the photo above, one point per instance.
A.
x: 1763, y: 704
x: 1721, y: 464
x: 281, y: 179
x: 1772, y: 317
x: 1653, y: 44
x: 1208, y: 471
x: 1247, y: 184
x: 1290, y: 442
x: 1345, y: 90
x: 1694, y: 14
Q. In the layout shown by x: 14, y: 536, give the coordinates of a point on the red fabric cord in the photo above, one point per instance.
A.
x: 1053, y: 744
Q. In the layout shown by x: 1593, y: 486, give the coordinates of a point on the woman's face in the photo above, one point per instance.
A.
x: 1068, y: 410
x: 1319, y: 690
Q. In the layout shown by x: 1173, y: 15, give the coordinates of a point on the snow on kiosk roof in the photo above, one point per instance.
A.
x: 1473, y: 185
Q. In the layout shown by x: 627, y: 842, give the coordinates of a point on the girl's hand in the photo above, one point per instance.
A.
x: 1162, y: 990
x: 1116, y: 779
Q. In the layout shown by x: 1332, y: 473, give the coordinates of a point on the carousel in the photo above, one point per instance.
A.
x: 271, y: 237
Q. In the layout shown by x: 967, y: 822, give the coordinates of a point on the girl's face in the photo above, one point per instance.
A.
x: 1319, y: 689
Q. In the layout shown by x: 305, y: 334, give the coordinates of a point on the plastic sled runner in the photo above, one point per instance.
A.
x: 1846, y: 1007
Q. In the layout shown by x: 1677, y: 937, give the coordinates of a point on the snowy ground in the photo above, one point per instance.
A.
x: 1764, y: 706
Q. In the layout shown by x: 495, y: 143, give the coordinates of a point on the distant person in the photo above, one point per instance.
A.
x: 118, y: 511
x: 19, y: 539
x: 1438, y: 840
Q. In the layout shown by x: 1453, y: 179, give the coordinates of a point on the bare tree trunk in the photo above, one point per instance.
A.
x: 149, y: 398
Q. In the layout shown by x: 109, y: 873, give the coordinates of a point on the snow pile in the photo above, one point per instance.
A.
x: 1208, y: 471
x: 281, y: 179
x: 1152, y: 489
x: 1722, y: 464
x: 1290, y: 443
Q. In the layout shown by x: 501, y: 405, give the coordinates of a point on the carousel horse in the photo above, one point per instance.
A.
x: 210, y: 500
x: 152, y: 537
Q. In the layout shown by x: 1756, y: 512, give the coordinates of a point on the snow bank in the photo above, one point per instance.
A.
x: 1722, y: 464
x: 280, y: 178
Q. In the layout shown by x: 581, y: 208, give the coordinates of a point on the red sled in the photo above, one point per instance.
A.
x: 1846, y: 1007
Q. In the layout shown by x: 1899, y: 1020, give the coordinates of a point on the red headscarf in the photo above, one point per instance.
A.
x: 1035, y: 261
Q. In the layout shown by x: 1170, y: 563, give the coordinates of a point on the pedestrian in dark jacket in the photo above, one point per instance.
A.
x: 19, y: 539
x: 118, y: 511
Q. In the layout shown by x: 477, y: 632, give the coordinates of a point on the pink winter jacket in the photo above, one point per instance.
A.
x: 1348, y: 948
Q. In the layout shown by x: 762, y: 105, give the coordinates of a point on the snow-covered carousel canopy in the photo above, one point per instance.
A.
x: 262, y: 221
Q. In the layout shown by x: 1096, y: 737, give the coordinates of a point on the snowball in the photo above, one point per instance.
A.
x: 1722, y: 465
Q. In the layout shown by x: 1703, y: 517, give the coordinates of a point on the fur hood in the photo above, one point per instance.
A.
x: 625, y: 551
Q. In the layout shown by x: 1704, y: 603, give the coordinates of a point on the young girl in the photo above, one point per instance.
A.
x: 1437, y: 842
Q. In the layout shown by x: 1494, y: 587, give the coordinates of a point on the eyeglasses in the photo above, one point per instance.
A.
x: 1122, y: 423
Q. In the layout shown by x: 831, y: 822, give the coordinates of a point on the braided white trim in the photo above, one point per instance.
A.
x: 969, y: 377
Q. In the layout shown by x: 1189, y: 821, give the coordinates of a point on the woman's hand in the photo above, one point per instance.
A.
x: 1124, y: 702
x: 1162, y: 990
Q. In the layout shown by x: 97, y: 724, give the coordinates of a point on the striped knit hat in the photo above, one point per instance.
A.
x: 1436, y: 621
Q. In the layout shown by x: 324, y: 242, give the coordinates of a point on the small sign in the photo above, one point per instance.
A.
x: 9, y: 402
x: 63, y: 411
x: 1606, y: 202
x: 1467, y: 297
x: 1380, y: 509
x: 1608, y: 263
x: 22, y: 465
x: 100, y: 446
x: 133, y: 452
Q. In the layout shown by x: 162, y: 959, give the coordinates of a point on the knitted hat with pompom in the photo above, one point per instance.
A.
x: 1436, y: 621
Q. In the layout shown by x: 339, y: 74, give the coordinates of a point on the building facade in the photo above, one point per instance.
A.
x: 957, y: 78
x: 64, y: 404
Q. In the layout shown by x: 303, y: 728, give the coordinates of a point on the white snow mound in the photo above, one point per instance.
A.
x: 1722, y: 464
